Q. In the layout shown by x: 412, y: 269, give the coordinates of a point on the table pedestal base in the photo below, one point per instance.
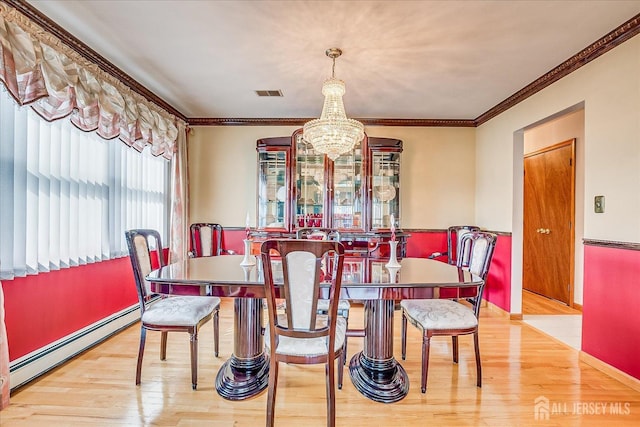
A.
x: 381, y: 381
x: 241, y: 379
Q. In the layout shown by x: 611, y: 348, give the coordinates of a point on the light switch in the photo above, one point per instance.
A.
x: 598, y: 204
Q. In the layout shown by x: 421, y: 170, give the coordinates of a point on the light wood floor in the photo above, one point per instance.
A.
x: 519, y: 365
x: 533, y: 303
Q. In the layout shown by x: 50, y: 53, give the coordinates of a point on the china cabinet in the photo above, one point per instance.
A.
x: 358, y: 193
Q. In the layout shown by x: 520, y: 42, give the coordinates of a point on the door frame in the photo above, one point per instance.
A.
x: 572, y: 210
x: 514, y: 300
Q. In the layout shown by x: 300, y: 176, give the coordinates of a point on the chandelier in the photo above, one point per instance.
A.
x: 333, y: 133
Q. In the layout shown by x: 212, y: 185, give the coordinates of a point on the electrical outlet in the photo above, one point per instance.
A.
x: 598, y: 204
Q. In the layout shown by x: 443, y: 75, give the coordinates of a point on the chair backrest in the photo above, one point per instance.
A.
x: 318, y: 233
x: 475, y: 254
x: 455, y: 233
x: 145, y: 248
x: 301, y: 269
x: 206, y: 239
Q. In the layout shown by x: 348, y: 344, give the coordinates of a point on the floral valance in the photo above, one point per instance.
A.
x: 56, y: 81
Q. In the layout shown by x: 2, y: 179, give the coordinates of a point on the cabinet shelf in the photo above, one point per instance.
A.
x: 357, y: 192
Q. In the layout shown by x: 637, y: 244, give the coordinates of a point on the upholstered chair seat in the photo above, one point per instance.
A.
x: 308, y: 347
x: 343, y: 307
x: 439, y: 314
x: 178, y: 311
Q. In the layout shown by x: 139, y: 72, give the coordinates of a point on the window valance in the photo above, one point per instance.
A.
x: 39, y: 70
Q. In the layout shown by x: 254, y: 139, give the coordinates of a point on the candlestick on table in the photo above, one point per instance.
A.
x: 247, y: 227
x: 248, y: 258
x: 393, y: 246
x: 393, y: 228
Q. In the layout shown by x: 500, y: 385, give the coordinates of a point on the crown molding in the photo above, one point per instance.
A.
x: 91, y: 55
x: 612, y: 39
x: 209, y: 121
x: 601, y: 46
x: 241, y: 121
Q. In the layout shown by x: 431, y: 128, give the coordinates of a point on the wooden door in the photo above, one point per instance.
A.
x: 548, y: 249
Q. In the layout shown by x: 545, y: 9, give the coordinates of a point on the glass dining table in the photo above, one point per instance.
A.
x: 374, y: 371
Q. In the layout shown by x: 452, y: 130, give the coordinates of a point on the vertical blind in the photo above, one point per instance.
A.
x: 67, y: 196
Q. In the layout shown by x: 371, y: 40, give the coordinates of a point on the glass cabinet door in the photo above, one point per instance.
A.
x: 385, y: 186
x: 310, y: 186
x: 347, y: 197
x: 272, y: 189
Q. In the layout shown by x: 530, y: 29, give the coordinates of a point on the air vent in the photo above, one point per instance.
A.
x: 269, y: 92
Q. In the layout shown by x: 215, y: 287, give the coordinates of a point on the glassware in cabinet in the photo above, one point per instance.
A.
x: 311, y: 187
x: 385, y: 182
x: 347, y: 201
x: 273, y: 208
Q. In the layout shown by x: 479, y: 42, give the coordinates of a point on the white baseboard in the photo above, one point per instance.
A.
x: 44, y: 359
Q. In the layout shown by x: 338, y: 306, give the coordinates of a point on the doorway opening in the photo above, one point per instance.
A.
x: 552, y: 212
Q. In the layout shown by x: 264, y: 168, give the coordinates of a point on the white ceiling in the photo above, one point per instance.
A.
x: 402, y: 59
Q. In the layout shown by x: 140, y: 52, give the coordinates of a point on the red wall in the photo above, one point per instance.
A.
x: 610, y: 308
x: 43, y: 308
x: 421, y: 244
x: 233, y: 240
x: 498, y: 288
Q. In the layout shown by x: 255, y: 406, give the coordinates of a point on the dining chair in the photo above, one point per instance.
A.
x: 299, y: 335
x: 206, y: 240
x: 454, y: 235
x: 176, y: 313
x: 449, y: 317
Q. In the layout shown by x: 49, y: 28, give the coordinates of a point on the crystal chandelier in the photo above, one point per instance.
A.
x: 333, y: 133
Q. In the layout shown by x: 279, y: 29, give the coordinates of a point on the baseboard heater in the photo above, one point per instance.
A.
x: 41, y: 361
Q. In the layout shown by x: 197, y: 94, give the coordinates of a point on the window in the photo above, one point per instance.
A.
x: 68, y: 196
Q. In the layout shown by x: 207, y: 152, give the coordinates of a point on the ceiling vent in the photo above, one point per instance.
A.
x: 269, y: 92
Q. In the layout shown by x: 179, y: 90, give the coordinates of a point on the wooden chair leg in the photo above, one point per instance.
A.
x: 271, y: 395
x: 454, y: 341
x: 344, y: 350
x: 478, y: 365
x: 216, y: 332
x: 331, y: 393
x: 341, y: 369
x: 163, y: 345
x: 143, y: 338
x: 194, y: 360
x: 425, y: 362
x: 404, y: 336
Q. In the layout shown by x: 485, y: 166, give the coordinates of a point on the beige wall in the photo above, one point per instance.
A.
x: 437, y: 182
x: 222, y: 172
x: 609, y: 87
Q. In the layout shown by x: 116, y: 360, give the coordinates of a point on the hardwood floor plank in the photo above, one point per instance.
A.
x: 533, y: 303
x: 519, y: 365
